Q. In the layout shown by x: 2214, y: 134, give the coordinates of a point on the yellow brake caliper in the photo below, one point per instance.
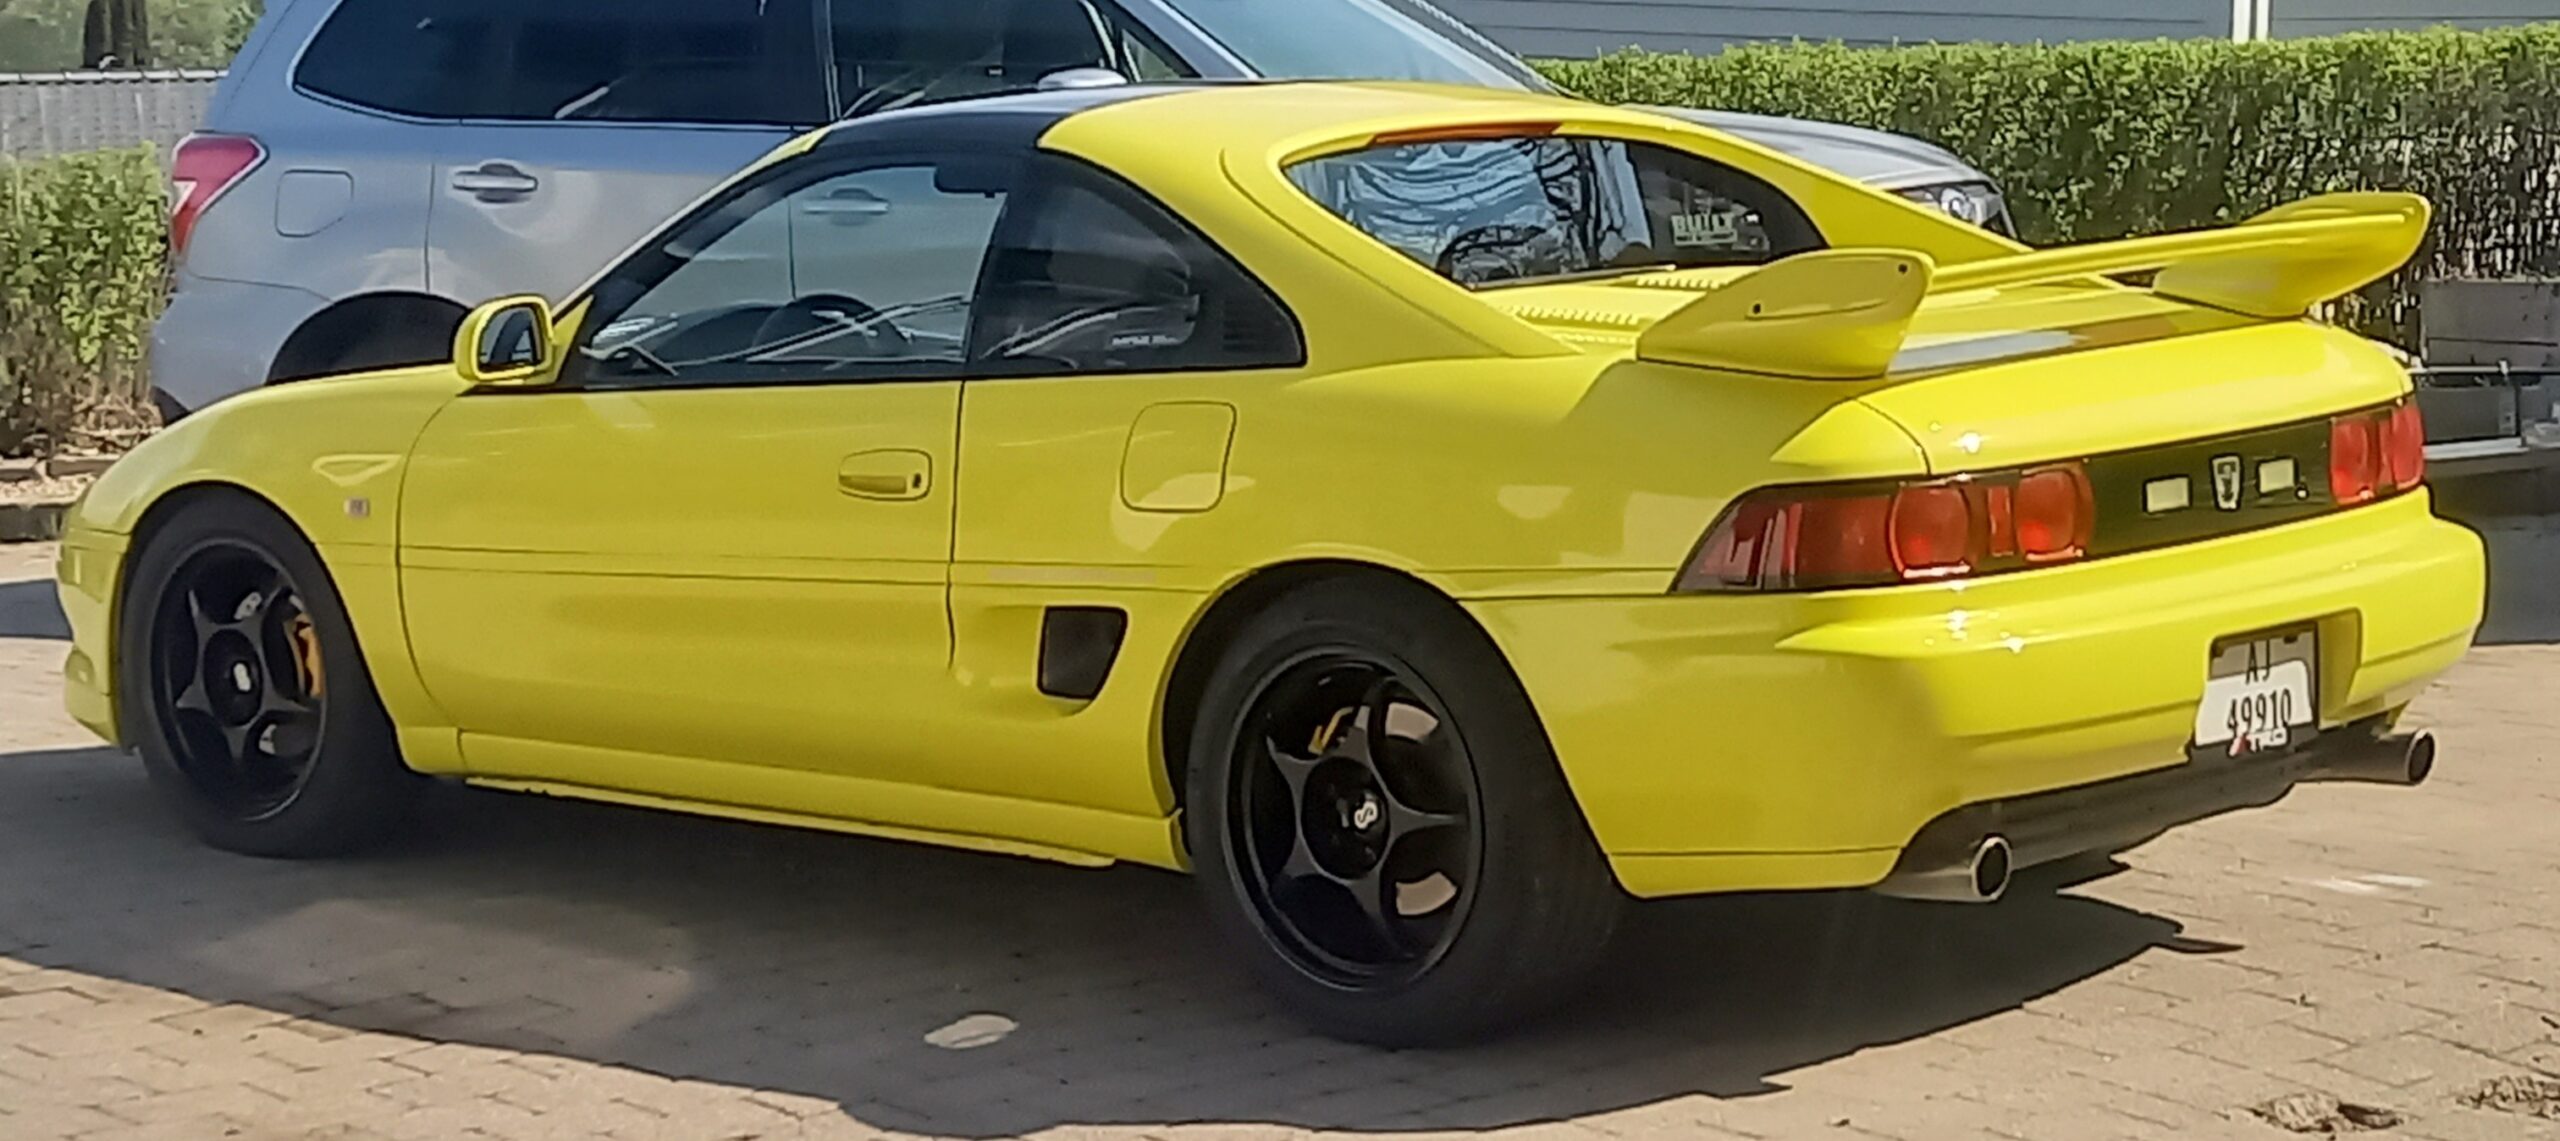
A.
x: 1327, y: 732
x: 306, y: 655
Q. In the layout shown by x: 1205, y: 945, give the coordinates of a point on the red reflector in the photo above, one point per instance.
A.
x: 1841, y: 540
x: 1932, y: 531
x: 1464, y: 133
x: 2355, y: 460
x: 2055, y: 513
x: 2404, y: 446
x: 199, y: 171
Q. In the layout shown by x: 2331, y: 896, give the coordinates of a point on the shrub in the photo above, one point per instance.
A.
x: 82, y: 250
x: 2102, y: 140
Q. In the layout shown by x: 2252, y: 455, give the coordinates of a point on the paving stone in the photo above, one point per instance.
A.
x: 527, y: 970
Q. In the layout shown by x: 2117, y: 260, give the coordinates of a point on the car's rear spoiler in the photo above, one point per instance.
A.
x: 1844, y: 314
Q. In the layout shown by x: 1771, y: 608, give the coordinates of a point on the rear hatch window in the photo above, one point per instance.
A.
x: 1485, y: 211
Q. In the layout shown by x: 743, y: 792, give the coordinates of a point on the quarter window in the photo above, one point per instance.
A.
x: 1094, y: 277
x: 680, y: 61
x: 864, y: 275
x: 1487, y: 211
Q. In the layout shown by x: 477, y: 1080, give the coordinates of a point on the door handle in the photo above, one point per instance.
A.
x: 851, y: 206
x: 894, y: 474
x: 496, y: 182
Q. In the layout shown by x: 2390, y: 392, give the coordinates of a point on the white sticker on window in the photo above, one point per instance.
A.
x: 1718, y: 229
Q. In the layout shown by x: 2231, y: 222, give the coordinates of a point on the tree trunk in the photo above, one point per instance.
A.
x: 116, y: 34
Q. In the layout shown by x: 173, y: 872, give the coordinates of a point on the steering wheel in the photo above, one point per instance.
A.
x: 1484, y: 239
x: 817, y: 312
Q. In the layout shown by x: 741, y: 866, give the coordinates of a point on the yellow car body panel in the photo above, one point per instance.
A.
x: 330, y: 455
x: 821, y: 604
x: 1831, y: 727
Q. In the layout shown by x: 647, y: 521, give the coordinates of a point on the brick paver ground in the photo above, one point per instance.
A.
x: 540, y: 970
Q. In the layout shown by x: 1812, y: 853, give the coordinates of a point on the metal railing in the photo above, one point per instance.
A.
x: 2485, y: 419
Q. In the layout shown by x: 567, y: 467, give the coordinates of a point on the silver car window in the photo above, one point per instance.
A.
x: 1356, y: 39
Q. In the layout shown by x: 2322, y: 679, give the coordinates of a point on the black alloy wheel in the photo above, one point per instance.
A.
x: 1355, y: 827
x: 1379, y: 825
x: 243, y: 687
x: 236, y: 662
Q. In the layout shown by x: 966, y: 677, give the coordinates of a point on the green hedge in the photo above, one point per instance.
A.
x: 2092, y: 141
x: 82, y: 247
x: 2102, y: 140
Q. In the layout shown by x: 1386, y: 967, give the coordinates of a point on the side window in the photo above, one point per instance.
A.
x: 691, y: 61
x: 1094, y: 277
x: 903, y: 53
x: 1489, y: 210
x: 862, y: 275
x: 432, y: 58
x: 682, y: 61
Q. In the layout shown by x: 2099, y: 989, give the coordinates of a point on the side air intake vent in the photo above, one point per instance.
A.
x: 1078, y: 645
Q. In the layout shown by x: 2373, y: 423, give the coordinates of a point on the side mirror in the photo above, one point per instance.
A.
x: 1082, y: 79
x: 506, y: 342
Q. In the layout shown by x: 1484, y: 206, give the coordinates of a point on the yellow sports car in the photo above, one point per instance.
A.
x: 1431, y: 516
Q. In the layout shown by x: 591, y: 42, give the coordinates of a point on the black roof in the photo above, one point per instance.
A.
x: 996, y: 122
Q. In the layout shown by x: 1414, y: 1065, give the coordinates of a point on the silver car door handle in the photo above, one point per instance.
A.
x: 496, y: 182
x: 850, y: 206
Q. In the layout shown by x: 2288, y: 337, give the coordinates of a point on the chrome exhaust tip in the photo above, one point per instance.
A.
x: 2402, y: 760
x: 1981, y: 876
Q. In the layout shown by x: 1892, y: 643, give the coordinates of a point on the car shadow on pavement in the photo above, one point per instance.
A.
x: 817, y: 965
x: 28, y: 609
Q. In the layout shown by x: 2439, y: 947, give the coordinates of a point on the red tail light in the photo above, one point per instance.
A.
x: 1932, y: 528
x: 1816, y: 538
x: 2404, y: 446
x: 2056, y: 514
x: 2355, y: 459
x: 2376, y: 454
x: 203, y: 167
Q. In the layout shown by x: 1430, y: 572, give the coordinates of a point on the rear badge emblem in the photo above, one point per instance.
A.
x: 2226, y: 483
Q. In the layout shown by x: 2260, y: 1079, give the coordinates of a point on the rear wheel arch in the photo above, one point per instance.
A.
x: 1214, y: 632
x: 369, y: 331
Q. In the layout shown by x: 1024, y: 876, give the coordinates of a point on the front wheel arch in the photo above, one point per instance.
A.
x: 345, y: 783
x: 152, y: 520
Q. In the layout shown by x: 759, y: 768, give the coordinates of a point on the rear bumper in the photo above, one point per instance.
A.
x: 1735, y: 743
x: 220, y: 338
x: 2124, y: 813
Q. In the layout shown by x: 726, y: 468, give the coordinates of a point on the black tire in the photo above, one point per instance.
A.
x: 315, y: 770
x: 1526, y: 923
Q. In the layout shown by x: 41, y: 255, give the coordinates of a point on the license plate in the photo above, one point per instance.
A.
x: 2260, y: 693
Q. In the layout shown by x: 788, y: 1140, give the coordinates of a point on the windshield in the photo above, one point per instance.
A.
x: 1357, y: 39
x: 1488, y: 211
